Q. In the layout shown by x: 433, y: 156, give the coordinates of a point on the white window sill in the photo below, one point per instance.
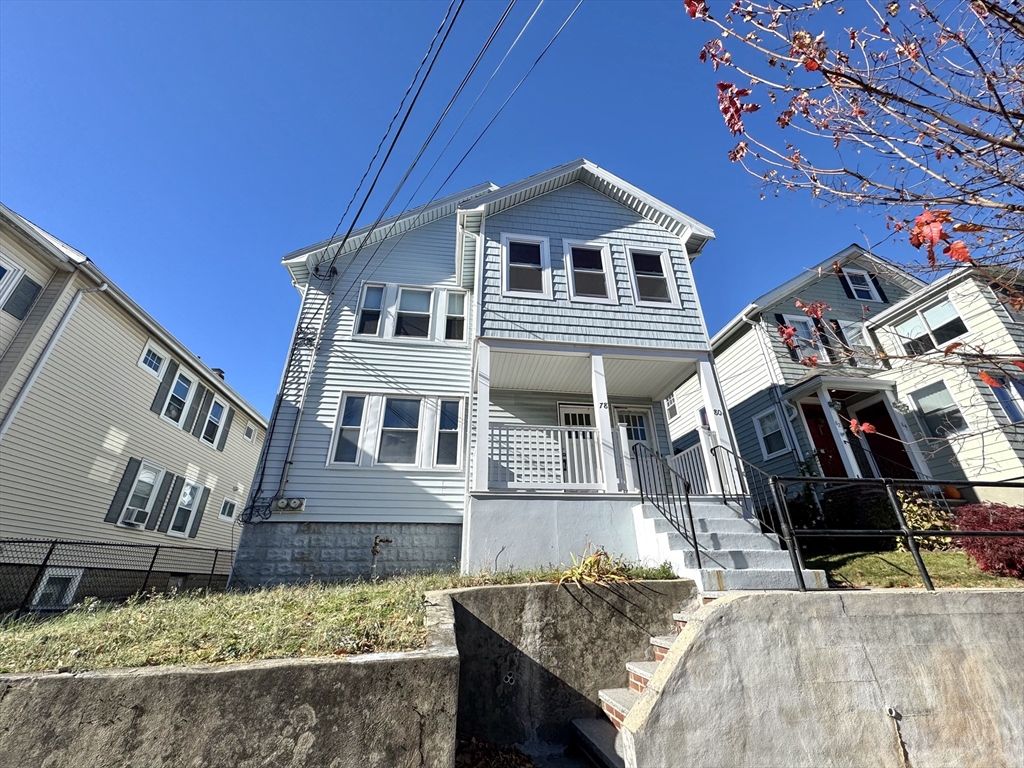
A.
x: 657, y: 304
x: 527, y: 295
x: 593, y: 300
x: 336, y: 466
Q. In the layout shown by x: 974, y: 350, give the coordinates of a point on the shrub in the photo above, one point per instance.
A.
x: 922, y: 514
x: 994, y: 554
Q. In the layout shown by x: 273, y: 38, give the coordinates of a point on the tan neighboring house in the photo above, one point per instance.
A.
x: 110, y: 429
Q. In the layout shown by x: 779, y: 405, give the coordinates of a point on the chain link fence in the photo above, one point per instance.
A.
x: 53, y: 575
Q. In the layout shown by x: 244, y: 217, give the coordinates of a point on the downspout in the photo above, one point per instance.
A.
x: 37, y: 368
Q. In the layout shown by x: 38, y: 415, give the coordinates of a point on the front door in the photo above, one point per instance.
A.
x: 824, y: 443
x: 885, y: 444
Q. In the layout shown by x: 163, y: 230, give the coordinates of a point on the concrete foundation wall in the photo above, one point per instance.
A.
x: 790, y: 679
x: 533, y: 531
x: 392, y: 710
x: 281, y: 552
x: 533, y: 657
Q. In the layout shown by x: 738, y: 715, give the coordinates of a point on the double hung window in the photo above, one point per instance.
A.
x: 670, y: 406
x: 527, y: 266
x: 931, y: 329
x: 143, y: 494
x: 455, y: 320
x: 413, y: 317
x: 861, y: 350
x: 861, y: 285
x: 769, y: 432
x: 227, y: 509
x: 346, y: 450
x: 448, y: 433
x: 1010, y: 396
x: 9, y: 274
x: 651, y: 273
x: 400, y: 428
x: 214, y: 422
x: 808, y: 340
x: 185, y: 508
x: 177, y: 399
x: 369, y: 323
x: 589, y: 272
x: 940, y: 413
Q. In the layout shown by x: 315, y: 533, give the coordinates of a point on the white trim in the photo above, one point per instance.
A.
x: 847, y: 271
x: 668, y: 273
x: 220, y: 424
x: 920, y: 416
x: 234, y: 510
x: 69, y: 593
x: 9, y: 280
x: 160, y: 472
x: 192, y: 514
x: 760, y: 435
x: 610, y: 287
x: 545, y: 266
x: 159, y: 352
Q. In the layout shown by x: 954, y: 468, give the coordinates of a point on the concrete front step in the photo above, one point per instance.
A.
x: 723, y: 524
x: 616, y: 703
x: 725, y: 541
x: 599, y: 739
x: 732, y: 559
x: 718, y: 579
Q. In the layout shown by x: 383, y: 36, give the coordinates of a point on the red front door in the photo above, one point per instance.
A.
x: 824, y: 444
x: 885, y: 444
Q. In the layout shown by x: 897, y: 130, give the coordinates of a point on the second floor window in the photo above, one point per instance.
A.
x: 368, y: 322
x: 455, y: 321
x: 652, y: 278
x: 214, y: 422
x: 177, y: 399
x: 413, y: 317
x: 526, y: 267
x: 931, y: 329
x: 589, y: 267
x: 808, y: 341
x: 861, y: 285
x: 861, y: 350
x: 670, y: 406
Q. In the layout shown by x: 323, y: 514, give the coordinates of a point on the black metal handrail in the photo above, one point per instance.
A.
x: 660, y: 484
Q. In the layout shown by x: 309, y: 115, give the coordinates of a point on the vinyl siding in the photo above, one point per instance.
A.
x: 35, y: 268
x: 578, y: 212
x: 422, y: 257
x: 86, y: 415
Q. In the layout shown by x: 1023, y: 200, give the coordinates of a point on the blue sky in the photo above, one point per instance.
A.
x: 185, y: 147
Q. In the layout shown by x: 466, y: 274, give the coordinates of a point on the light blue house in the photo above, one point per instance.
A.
x: 469, y: 380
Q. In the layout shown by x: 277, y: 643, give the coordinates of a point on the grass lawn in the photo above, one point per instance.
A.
x: 287, y: 621
x: 897, y: 569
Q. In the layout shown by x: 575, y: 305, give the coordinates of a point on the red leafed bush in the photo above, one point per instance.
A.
x: 995, y: 554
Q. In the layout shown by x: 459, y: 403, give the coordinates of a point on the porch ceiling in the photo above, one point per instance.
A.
x: 640, y: 377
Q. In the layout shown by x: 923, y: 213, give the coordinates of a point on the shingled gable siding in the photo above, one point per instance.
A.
x: 423, y: 257
x: 66, y: 450
x: 579, y: 213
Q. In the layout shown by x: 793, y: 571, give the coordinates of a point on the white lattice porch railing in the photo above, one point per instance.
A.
x: 552, y: 458
x: 691, y: 465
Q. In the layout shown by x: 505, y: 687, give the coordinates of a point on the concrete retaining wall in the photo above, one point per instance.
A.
x: 791, y: 679
x: 533, y: 657
x: 379, y: 710
x: 281, y: 552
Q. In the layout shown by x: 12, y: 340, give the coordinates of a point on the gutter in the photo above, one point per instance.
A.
x: 40, y: 363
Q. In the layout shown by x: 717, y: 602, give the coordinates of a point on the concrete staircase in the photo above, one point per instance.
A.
x: 599, y: 737
x: 734, y: 553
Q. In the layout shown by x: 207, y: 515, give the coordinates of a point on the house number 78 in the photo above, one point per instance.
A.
x: 603, y: 405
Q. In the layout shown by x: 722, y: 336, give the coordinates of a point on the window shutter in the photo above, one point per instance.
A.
x: 846, y: 286
x: 123, y: 489
x: 197, y: 401
x: 845, y: 352
x: 792, y: 350
x: 165, y: 387
x: 878, y: 288
x: 158, y: 502
x: 204, y: 411
x: 198, y: 517
x: 826, y: 342
x: 224, y: 430
x: 22, y: 297
x: 172, y: 504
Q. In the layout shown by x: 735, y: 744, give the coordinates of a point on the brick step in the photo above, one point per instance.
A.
x: 640, y: 674
x: 680, y: 619
x: 598, y: 739
x: 616, y: 703
x: 661, y: 645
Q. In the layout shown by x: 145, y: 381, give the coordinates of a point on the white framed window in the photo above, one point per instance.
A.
x: 227, y: 509
x: 588, y: 272
x: 1010, y: 397
x: 185, y: 509
x: 214, y: 422
x: 371, y: 307
x: 413, y: 317
x: 861, y: 285
x: 10, y: 273
x: 770, y: 434
x: 670, y: 406
x: 939, y: 412
x: 932, y: 328
x: 57, y: 588
x: 178, y: 399
x: 153, y: 360
x: 398, y: 441
x: 350, y: 429
x: 526, y: 266
x: 455, y: 316
x: 139, y: 507
x: 250, y: 432
x: 651, y: 274
x: 808, y: 341
x: 861, y: 348
x: 449, y: 421
x: 1003, y: 296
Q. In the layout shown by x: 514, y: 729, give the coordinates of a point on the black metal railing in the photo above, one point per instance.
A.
x: 53, y: 575
x: 668, y: 492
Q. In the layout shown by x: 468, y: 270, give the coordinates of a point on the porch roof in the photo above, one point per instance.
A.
x: 843, y: 383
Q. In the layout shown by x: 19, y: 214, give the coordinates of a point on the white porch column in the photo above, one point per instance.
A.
x: 603, y: 417
x: 839, y: 434
x: 482, y: 459
x: 718, y: 420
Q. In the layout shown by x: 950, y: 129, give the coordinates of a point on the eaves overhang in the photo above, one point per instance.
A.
x: 807, y: 386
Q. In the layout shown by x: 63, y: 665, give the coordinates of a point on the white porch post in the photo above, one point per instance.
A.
x: 482, y: 460
x: 839, y: 434
x: 603, y: 417
x: 718, y: 420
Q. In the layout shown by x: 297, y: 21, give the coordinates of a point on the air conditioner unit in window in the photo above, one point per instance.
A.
x: 289, y: 505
